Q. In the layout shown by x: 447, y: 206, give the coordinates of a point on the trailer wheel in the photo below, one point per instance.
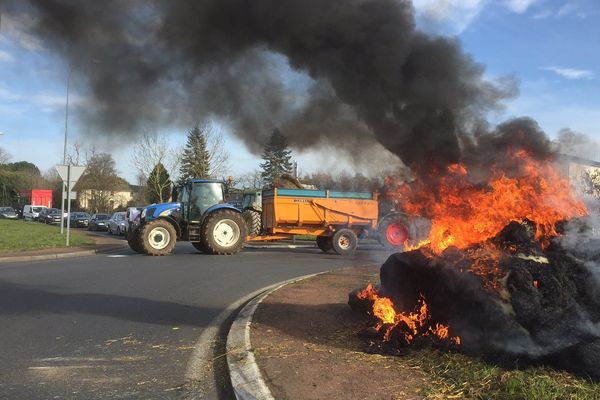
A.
x: 134, y: 242
x: 394, y: 232
x: 325, y: 243
x: 252, y: 219
x: 158, y: 237
x: 223, y: 232
x: 344, y: 242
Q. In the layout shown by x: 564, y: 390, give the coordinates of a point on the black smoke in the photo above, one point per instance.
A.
x: 326, y: 72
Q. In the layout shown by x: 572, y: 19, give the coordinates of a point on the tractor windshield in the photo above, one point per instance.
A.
x: 204, y: 195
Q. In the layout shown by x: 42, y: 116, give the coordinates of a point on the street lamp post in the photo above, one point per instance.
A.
x: 62, y: 199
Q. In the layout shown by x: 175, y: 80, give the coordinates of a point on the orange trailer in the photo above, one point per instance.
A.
x: 336, y: 218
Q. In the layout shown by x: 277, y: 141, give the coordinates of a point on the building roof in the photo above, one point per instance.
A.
x: 578, y: 160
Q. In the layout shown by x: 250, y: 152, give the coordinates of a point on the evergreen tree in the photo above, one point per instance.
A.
x: 277, y: 158
x: 195, y: 162
x: 159, y: 184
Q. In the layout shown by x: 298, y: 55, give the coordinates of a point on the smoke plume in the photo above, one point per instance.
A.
x: 325, y: 72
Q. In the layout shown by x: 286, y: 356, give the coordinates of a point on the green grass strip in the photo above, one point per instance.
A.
x: 20, y: 235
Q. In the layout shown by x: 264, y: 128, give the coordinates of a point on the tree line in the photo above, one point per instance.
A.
x: 159, y: 166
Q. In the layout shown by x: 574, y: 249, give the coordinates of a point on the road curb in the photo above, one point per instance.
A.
x: 57, y: 256
x: 246, y: 379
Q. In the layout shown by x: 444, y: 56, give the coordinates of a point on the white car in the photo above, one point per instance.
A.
x: 31, y: 213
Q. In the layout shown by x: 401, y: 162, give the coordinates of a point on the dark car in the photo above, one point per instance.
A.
x: 117, y: 224
x: 50, y: 216
x: 80, y: 220
x: 44, y: 213
x: 99, y: 222
x: 7, y: 213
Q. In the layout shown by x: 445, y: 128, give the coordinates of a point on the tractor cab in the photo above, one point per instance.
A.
x: 197, y: 196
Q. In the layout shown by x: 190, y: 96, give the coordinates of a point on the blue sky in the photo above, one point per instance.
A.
x: 551, y: 46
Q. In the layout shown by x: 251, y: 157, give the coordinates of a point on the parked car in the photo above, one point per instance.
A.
x: 117, y: 224
x: 99, y: 222
x: 50, y: 216
x: 7, y: 213
x: 80, y: 220
x: 44, y: 213
x: 31, y: 213
x: 19, y: 211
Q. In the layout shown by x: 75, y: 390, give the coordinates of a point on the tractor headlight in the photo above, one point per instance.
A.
x: 144, y: 213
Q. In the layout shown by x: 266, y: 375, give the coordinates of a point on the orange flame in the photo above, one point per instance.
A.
x: 463, y: 213
x: 416, y: 323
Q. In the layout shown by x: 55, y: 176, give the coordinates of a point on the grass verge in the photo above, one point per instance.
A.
x: 457, y: 376
x: 22, y: 236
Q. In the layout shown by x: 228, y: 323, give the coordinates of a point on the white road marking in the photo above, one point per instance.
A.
x: 117, y: 256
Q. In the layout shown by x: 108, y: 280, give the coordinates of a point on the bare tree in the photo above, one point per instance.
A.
x: 218, y: 159
x: 100, y: 182
x: 251, y: 180
x: 75, y: 156
x: 153, y: 149
x: 4, y: 156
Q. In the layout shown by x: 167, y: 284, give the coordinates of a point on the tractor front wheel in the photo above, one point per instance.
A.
x: 223, y: 232
x: 134, y: 242
x: 158, y: 237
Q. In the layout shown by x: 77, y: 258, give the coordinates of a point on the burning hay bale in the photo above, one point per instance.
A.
x: 509, y: 269
x: 507, y: 297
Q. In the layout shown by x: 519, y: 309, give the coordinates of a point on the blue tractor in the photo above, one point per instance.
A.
x: 199, y: 216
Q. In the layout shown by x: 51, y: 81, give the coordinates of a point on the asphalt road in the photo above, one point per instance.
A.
x: 123, y: 325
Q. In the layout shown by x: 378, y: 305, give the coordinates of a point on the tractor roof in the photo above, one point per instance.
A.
x: 205, y: 181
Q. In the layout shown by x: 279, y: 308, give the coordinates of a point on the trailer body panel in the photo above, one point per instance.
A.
x: 317, y: 212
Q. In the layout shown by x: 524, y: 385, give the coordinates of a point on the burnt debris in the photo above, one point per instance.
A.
x: 519, y: 303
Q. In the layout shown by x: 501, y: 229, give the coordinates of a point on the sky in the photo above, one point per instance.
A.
x: 552, y: 47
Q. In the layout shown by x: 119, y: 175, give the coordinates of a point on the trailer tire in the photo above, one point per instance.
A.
x: 158, y: 237
x: 133, y: 240
x: 344, y: 242
x: 223, y: 232
x: 252, y: 219
x: 325, y: 243
x: 394, y: 232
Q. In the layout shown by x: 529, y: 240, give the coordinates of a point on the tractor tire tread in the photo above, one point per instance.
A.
x: 207, y: 240
x: 253, y: 221
x: 145, y: 230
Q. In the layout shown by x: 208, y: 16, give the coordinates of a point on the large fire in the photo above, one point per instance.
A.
x: 464, y: 214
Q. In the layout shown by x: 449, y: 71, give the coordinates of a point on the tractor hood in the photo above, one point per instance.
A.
x: 160, y: 210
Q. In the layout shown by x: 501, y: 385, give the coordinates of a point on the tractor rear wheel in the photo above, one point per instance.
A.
x: 344, y: 242
x: 133, y: 240
x: 223, y: 232
x: 252, y: 219
x: 199, y: 246
x: 158, y: 237
x: 394, y: 232
x: 325, y: 243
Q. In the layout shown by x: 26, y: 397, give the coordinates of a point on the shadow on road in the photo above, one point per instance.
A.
x: 18, y: 299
